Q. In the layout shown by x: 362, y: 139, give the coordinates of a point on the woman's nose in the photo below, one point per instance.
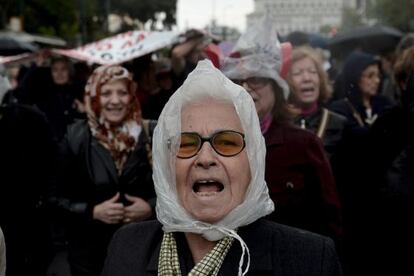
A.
x: 115, y: 99
x: 306, y: 76
x: 206, y: 157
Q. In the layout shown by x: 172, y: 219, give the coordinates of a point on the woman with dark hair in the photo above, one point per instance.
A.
x: 298, y: 173
x: 392, y: 175
x: 362, y: 105
x: 310, y: 89
x: 104, y: 180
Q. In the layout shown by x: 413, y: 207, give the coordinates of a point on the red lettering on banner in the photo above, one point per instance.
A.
x: 127, y: 44
x: 131, y: 43
x: 103, y: 46
x: 125, y: 35
x: 140, y: 37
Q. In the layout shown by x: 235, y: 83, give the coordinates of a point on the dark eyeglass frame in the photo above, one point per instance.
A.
x: 253, y: 82
x: 210, y: 139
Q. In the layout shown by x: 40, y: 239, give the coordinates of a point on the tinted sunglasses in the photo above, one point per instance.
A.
x: 226, y: 143
x: 253, y: 83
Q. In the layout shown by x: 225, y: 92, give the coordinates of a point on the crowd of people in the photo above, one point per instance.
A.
x: 189, y: 165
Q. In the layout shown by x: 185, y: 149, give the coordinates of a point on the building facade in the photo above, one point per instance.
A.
x: 303, y: 15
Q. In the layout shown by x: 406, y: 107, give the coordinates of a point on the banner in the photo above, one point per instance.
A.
x: 17, y: 58
x: 122, y: 47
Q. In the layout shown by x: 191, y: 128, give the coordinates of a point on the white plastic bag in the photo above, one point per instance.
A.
x: 207, y: 81
x: 257, y: 53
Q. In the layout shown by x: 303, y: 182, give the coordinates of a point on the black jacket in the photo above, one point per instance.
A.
x: 26, y: 161
x: 86, y: 177
x: 331, y: 134
x: 274, y: 249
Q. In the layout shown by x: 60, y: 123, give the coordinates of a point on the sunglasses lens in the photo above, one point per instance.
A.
x: 228, y: 143
x: 189, y: 145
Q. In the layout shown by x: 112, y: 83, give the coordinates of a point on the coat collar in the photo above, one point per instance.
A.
x: 259, y: 241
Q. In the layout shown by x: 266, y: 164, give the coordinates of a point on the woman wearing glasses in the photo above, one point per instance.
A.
x: 298, y: 173
x: 209, y: 159
x: 105, y: 171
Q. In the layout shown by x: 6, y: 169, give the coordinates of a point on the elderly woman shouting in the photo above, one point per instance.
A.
x: 209, y: 159
x: 104, y: 177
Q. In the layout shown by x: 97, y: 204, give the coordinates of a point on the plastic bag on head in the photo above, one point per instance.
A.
x: 257, y: 53
x: 207, y: 82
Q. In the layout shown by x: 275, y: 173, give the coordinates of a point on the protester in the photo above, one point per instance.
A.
x: 298, y: 172
x: 60, y: 97
x: 361, y: 81
x: 391, y: 173
x: 166, y: 87
x: 2, y: 255
x: 211, y: 196
x: 185, y: 55
x: 362, y: 106
x: 26, y: 161
x: 310, y: 89
x: 104, y: 180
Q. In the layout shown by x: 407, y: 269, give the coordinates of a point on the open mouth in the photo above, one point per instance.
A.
x: 207, y: 187
x: 307, y: 90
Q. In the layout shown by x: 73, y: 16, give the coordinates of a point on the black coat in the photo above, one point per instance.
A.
x: 274, y: 249
x: 331, y: 135
x: 87, y: 177
x: 26, y: 154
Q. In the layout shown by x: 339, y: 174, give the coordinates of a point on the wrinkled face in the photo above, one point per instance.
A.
x: 209, y: 185
x: 114, y: 101
x: 305, y: 82
x: 262, y: 94
x: 60, y: 72
x: 370, y: 80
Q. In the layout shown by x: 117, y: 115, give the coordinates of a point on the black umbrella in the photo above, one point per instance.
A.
x: 373, y: 39
x: 11, y: 45
x: 298, y: 38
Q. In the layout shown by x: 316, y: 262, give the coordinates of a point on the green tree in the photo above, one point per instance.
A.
x: 145, y: 10
x: 81, y: 21
x: 396, y: 13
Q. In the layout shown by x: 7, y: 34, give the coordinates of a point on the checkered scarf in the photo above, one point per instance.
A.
x: 119, y: 140
x: 210, y: 265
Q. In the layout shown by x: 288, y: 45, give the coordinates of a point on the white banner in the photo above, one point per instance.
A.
x: 122, y: 47
x: 17, y: 58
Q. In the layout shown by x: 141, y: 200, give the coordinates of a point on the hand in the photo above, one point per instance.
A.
x: 138, y: 210
x: 109, y: 211
x: 80, y: 107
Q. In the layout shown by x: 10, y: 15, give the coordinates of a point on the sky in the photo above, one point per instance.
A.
x: 199, y: 13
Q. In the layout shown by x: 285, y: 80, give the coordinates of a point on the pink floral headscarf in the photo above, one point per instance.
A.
x: 120, y: 140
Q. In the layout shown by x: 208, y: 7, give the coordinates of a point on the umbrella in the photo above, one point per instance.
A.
x: 299, y: 38
x: 11, y: 45
x: 376, y: 39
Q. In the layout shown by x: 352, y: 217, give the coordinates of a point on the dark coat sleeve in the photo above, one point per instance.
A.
x: 134, y: 250
x: 329, y: 196
x: 59, y: 197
